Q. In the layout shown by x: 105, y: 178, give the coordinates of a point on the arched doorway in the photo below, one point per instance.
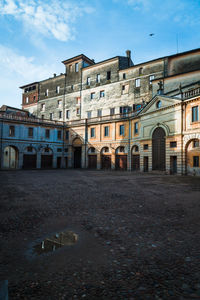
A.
x: 158, y: 149
x: 121, y: 159
x: 105, y: 158
x: 77, y: 147
x: 47, y: 158
x: 30, y: 158
x: 135, y: 158
x: 192, y: 157
x: 92, y: 158
x: 10, y: 159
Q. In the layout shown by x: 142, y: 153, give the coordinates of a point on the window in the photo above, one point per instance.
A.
x: 99, y: 112
x: 137, y: 82
x: 195, y: 144
x: 47, y: 133
x: 195, y: 114
x: 70, y: 68
x: 88, y: 80
x: 57, y: 90
x: 72, y: 87
x: 59, y: 149
x: 158, y: 104
x: 29, y: 149
x: 66, y: 149
x: 108, y: 77
x: 60, y: 114
x: 92, y: 132
x: 102, y: 94
x: 42, y: 117
x: 30, y: 132
x: 151, y: 77
x: 112, y: 111
x: 124, y: 109
x: 136, y: 127
x: 51, y: 116
x: 47, y: 92
x: 98, y: 78
x: 67, y: 134
x: 34, y: 98
x: 135, y: 148
x: 27, y: 99
x: 173, y: 144
x: 146, y: 147
x: 92, y: 95
x: 43, y: 107
x: 121, y: 130
x: 78, y: 100
x: 140, y: 71
x: 89, y: 114
x: 59, y: 103
x: 78, y: 111
x: 125, y: 89
x: 67, y: 114
x: 106, y: 131
x: 124, y: 75
x: 12, y: 131
x: 195, y: 161
x: 59, y: 134
x: 76, y: 67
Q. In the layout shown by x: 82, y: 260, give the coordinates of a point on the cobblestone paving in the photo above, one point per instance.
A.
x: 138, y: 235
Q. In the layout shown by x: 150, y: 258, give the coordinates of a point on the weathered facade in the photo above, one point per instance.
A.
x: 112, y: 115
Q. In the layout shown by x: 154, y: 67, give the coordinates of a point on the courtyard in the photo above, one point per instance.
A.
x: 137, y: 235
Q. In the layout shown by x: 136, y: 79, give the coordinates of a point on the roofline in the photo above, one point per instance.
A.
x: 77, y: 57
x: 179, y: 74
x: 103, y: 61
x: 23, y: 86
x: 7, y: 106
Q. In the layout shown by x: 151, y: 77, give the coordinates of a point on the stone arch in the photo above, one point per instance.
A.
x: 105, y: 149
x: 163, y: 126
x: 92, y: 150
x: 158, y: 148
x: 135, y: 148
x: 10, y: 157
x: 192, y: 155
x: 189, y: 137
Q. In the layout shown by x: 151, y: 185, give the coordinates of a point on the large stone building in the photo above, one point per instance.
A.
x: 115, y: 115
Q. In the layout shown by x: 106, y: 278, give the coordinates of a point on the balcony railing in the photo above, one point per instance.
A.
x: 191, y: 94
x: 6, y: 116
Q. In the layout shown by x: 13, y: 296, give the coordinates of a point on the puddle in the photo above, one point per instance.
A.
x: 53, y: 243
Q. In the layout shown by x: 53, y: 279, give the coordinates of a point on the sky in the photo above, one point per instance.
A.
x: 36, y: 35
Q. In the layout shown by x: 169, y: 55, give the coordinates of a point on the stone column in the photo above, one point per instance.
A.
x: 20, y: 160
x: 113, y: 159
x: 38, y: 166
x: 98, y: 161
x: 55, y: 161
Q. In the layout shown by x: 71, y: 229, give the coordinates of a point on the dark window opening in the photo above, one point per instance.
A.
x: 195, y: 161
x: 173, y: 144
x: 108, y: 75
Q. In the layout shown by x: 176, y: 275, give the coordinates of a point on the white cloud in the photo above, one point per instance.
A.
x: 51, y: 19
x: 19, y: 70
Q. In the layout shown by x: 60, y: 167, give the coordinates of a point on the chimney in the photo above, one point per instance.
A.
x: 54, y: 75
x: 128, y: 54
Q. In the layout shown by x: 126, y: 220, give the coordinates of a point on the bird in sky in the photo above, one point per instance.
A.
x: 151, y: 34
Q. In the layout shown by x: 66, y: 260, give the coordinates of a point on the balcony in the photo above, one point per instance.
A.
x: 192, y: 93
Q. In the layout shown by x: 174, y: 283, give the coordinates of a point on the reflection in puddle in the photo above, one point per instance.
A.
x: 55, y: 242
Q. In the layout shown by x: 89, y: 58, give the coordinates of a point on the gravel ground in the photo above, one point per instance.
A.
x: 139, y: 235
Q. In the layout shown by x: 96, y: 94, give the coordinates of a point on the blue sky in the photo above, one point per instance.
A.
x: 35, y: 36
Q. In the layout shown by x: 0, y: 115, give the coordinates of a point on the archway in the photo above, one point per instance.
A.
x: 77, y: 149
x: 10, y: 158
x: 158, y: 149
x: 121, y: 159
x: 135, y: 158
x: 47, y: 158
x: 105, y: 158
x: 192, y: 157
x: 92, y: 158
x: 30, y: 158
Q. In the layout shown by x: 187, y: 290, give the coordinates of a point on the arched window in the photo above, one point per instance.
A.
x: 158, y: 104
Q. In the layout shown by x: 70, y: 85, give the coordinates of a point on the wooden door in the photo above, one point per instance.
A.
x: 146, y: 164
x: 92, y: 161
x: 121, y: 162
x: 158, y: 149
x: 29, y: 161
x: 135, y: 162
x: 77, y: 157
x: 106, y: 162
x: 46, y: 161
